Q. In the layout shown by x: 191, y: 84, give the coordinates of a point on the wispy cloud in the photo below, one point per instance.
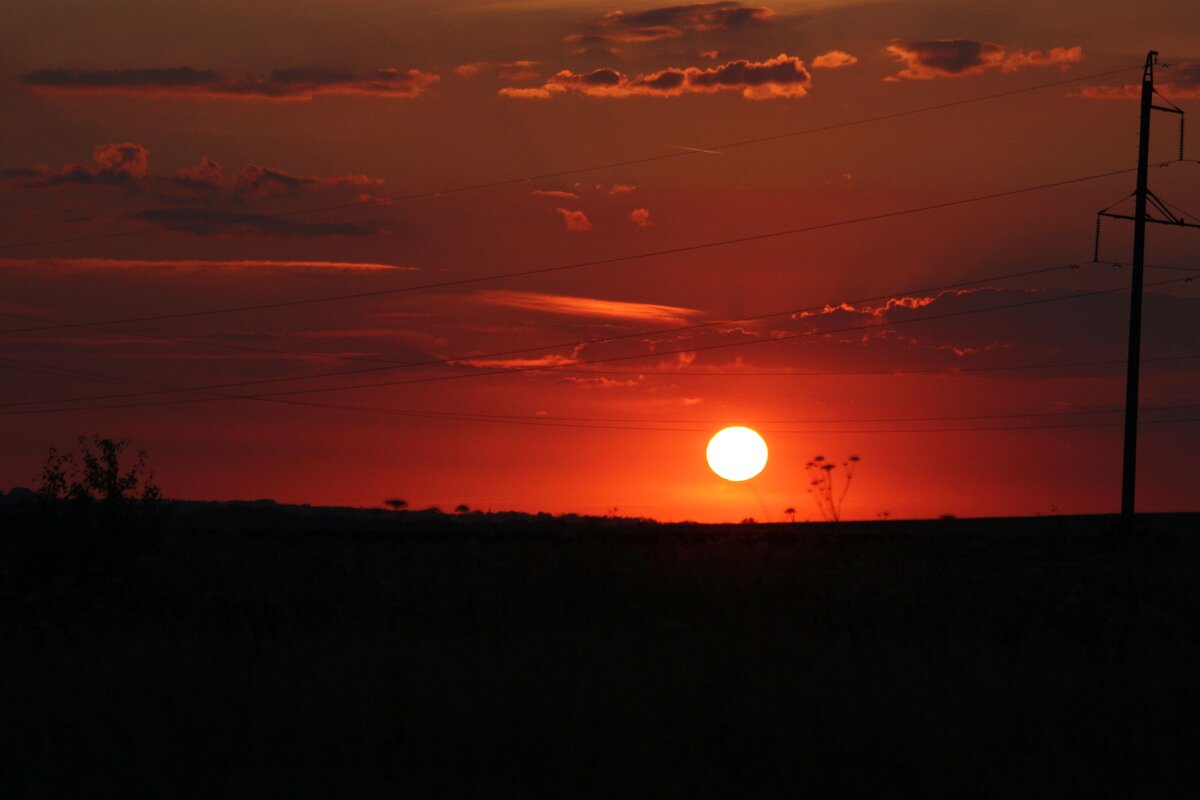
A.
x: 285, y: 83
x: 519, y: 363
x: 1057, y: 56
x: 1181, y: 82
x: 521, y: 70
x: 576, y: 221
x: 588, y: 306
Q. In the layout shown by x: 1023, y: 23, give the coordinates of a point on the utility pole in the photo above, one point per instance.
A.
x: 1134, y: 360
x: 1142, y: 197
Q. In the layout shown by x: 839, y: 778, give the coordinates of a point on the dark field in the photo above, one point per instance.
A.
x: 279, y: 653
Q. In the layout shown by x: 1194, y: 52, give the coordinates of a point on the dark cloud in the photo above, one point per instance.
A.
x: 947, y: 58
x: 290, y: 83
x: 127, y: 165
x: 256, y: 181
x: 782, y: 76
x: 207, y: 222
x: 601, y: 77
x: 670, y: 22
x: 666, y: 80
x: 117, y: 164
x: 195, y: 196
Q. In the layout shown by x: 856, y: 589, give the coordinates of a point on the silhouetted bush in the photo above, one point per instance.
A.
x: 91, y: 525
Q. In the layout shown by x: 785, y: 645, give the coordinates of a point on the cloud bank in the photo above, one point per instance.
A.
x: 782, y: 76
x: 127, y: 165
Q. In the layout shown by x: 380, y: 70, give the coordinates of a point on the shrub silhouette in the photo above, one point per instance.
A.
x: 821, y: 485
x: 99, y: 478
x: 95, y: 524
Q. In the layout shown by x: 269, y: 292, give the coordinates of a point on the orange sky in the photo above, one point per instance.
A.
x: 153, y: 160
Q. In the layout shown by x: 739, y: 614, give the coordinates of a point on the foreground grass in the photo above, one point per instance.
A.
x: 484, y: 657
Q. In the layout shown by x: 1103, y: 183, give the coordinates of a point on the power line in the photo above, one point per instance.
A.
x: 807, y: 421
x: 578, y: 264
x: 27, y: 367
x: 375, y: 202
x: 725, y: 345
x: 285, y: 396
x: 390, y: 364
x: 645, y: 428
x: 725, y: 373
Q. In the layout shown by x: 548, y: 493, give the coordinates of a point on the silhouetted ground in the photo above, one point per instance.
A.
x: 271, y: 651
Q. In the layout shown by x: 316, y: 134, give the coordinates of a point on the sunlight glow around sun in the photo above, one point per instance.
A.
x: 737, y: 454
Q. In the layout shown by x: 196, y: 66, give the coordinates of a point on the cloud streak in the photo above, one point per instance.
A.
x: 191, y: 265
x: 286, y: 83
x: 587, y: 307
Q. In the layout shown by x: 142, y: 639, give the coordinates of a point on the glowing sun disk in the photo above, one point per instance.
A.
x: 737, y: 453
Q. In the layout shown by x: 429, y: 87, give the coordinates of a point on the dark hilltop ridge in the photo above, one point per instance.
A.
x: 260, y: 649
x: 266, y: 515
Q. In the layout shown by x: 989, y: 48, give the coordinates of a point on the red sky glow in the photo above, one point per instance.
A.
x: 533, y: 255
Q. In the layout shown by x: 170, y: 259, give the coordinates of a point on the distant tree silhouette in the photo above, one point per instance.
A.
x: 821, y: 485
x: 462, y: 508
x: 95, y: 517
x: 98, y: 478
x: 397, y: 505
x: 791, y: 512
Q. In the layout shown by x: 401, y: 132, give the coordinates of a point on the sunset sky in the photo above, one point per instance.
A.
x: 179, y: 180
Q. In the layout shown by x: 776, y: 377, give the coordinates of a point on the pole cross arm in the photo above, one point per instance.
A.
x: 1168, y: 110
x: 1147, y: 218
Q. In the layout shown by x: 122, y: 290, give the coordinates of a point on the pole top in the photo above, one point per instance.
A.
x: 1148, y: 71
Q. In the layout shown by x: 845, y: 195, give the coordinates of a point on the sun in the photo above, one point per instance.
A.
x: 737, y: 454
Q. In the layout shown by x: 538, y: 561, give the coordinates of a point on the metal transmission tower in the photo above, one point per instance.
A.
x: 1142, y: 198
